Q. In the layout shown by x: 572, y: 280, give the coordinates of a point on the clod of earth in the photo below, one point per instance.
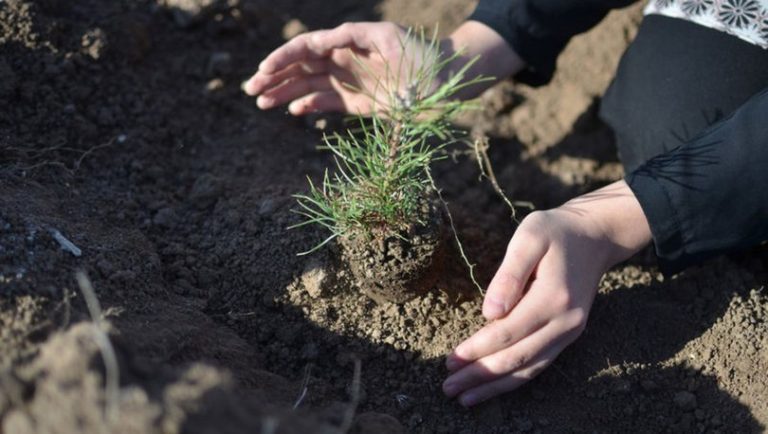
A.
x: 398, y: 267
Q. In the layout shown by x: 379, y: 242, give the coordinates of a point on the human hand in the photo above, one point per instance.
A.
x: 325, y: 70
x: 540, y: 297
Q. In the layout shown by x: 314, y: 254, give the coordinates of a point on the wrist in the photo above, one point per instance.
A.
x: 494, y: 57
x: 616, y: 218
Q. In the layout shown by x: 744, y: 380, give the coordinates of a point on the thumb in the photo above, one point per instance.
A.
x: 523, y: 255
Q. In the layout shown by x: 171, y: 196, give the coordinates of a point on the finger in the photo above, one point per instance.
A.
x: 528, y: 316
x: 328, y: 101
x: 509, y: 382
x: 261, y: 81
x: 523, y: 254
x: 293, y: 89
x: 503, y: 362
x: 316, y: 45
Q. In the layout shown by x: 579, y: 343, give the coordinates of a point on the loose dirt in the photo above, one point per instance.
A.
x: 123, y: 129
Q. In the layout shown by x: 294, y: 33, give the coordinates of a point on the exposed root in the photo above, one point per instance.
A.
x: 112, y: 374
x: 354, y: 400
x: 470, y: 265
x: 480, y: 146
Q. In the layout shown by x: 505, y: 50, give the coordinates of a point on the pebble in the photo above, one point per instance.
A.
x: 314, y: 279
x: 293, y: 28
x: 376, y: 422
x: 188, y: 12
x: 622, y: 386
x: 523, y: 424
x: 649, y: 385
x: 94, y: 43
x: 165, y: 218
x: 220, y: 63
x: 8, y: 79
x: 415, y: 420
x: 685, y: 400
x: 214, y: 85
x: 206, y: 191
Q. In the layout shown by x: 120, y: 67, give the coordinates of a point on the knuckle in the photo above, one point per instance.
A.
x: 464, y: 352
x: 574, y: 322
x: 345, y: 27
x: 504, y: 336
x: 506, y: 283
x: 309, y: 40
x: 534, y: 222
x: 391, y: 27
x: 562, y: 301
x: 530, y: 231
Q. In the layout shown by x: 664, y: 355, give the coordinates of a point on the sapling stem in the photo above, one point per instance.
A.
x: 382, y: 177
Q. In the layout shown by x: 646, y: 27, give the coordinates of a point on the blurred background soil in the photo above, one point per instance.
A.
x: 123, y: 130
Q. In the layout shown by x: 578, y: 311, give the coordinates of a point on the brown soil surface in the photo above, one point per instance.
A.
x: 123, y: 130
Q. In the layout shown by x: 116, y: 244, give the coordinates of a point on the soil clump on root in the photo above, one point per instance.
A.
x: 395, y: 267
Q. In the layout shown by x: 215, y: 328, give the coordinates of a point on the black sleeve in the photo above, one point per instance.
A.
x: 538, y: 30
x: 710, y: 195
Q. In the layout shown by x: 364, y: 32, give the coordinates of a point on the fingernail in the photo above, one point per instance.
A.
x: 295, y: 107
x: 468, y: 399
x: 265, y: 102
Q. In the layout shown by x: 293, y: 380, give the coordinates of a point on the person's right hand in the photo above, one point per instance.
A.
x: 325, y: 70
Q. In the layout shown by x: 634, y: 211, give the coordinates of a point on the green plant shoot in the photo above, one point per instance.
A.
x: 381, y: 176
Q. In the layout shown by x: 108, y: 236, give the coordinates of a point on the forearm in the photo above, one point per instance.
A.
x: 708, y: 196
x: 494, y: 58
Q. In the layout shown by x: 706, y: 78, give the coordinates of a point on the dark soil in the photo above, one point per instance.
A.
x: 123, y: 130
x: 395, y: 267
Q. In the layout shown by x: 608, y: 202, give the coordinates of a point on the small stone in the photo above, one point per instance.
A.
x: 310, y: 351
x: 105, y: 267
x: 267, y: 206
x: 415, y: 420
x: 523, y: 424
x: 188, y: 12
x: 165, y: 217
x: 649, y: 385
x: 94, y: 43
x: 214, y: 85
x: 376, y: 423
x: 715, y: 421
x: 622, y: 386
x: 206, y: 191
x: 314, y: 278
x: 105, y: 117
x: 685, y: 401
x: 8, y: 79
x: 220, y: 63
x: 293, y: 28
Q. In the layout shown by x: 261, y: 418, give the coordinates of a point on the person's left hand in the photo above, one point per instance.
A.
x: 541, y: 295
